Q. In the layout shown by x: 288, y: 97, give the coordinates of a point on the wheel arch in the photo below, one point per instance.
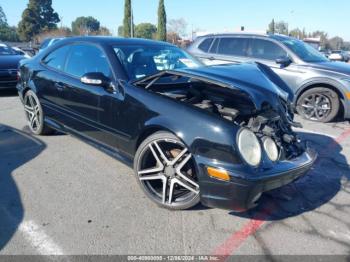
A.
x: 150, y: 130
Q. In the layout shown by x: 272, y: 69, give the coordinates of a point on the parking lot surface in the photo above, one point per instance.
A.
x: 59, y: 195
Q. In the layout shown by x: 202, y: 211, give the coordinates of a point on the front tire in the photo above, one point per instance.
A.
x: 319, y: 104
x: 35, y: 115
x: 166, y: 172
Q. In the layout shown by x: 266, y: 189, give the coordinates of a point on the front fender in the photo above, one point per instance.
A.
x: 209, y: 139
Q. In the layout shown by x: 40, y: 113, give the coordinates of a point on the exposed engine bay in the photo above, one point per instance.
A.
x: 237, y: 108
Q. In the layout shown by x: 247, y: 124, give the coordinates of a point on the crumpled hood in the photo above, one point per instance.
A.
x: 10, y: 61
x: 338, y: 67
x: 256, y: 80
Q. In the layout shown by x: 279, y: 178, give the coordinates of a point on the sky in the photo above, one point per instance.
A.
x: 207, y: 15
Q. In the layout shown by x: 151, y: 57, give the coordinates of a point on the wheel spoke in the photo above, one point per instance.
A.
x: 155, y: 177
x: 31, y: 101
x: 171, y: 191
x: 150, y: 171
x: 179, y: 156
x: 183, y: 184
x: 162, y: 155
x: 28, y: 109
x: 165, y: 183
x: 307, y: 106
x: 183, y: 163
x: 36, y: 109
x: 159, y: 163
x: 33, y: 121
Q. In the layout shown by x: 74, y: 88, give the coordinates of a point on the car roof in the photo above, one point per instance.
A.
x: 277, y: 37
x: 108, y: 40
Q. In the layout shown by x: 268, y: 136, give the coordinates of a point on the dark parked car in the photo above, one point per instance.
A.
x: 321, y: 87
x: 9, y: 63
x: 219, y: 135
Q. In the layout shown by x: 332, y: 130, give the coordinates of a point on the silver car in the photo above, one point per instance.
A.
x: 321, y: 87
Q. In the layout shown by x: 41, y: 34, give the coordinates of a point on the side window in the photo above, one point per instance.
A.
x: 56, y: 59
x: 205, y: 45
x: 263, y: 49
x: 214, y: 47
x: 233, y: 46
x: 84, y: 59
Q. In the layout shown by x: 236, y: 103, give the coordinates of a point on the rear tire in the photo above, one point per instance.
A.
x: 35, y: 115
x: 319, y: 104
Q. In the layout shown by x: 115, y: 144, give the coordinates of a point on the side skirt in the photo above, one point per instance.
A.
x: 112, y: 152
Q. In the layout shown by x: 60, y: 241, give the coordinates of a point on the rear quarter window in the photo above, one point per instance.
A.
x: 205, y: 45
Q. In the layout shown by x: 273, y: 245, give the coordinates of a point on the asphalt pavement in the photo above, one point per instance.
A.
x: 61, y: 196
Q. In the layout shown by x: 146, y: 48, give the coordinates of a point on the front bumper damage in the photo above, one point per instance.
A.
x: 241, y: 194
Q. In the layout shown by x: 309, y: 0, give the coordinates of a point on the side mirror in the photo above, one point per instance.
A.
x: 284, y: 61
x: 95, y: 79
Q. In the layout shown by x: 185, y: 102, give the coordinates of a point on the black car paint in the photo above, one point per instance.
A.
x: 119, y: 120
x: 8, y: 70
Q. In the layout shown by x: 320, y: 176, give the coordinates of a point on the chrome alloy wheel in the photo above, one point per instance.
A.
x: 316, y: 107
x: 166, y: 171
x: 33, y: 112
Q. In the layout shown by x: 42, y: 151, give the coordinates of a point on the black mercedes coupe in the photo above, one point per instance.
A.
x: 218, y: 135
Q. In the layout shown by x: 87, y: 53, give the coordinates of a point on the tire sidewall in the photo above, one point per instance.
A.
x: 143, y: 145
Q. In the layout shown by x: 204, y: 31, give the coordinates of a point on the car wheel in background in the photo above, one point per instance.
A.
x: 166, y: 172
x: 35, y: 115
x: 318, y: 104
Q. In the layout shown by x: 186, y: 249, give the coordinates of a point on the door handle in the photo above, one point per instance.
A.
x: 211, y: 58
x: 59, y: 86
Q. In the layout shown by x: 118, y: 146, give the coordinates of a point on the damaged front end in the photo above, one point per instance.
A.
x: 265, y: 111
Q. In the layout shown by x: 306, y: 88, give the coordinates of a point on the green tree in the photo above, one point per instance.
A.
x: 128, y: 21
x: 85, y: 25
x: 8, y: 33
x: 36, y: 18
x: 162, y: 20
x: 145, y: 30
x: 3, y: 19
x: 336, y: 43
x: 49, y: 18
x: 281, y: 28
x: 297, y: 33
x: 29, y: 25
x: 120, y: 30
x: 272, y: 27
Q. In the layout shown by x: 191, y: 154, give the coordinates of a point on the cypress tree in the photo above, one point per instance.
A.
x: 161, y: 30
x: 127, y: 19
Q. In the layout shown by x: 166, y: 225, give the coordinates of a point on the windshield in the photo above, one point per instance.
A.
x: 304, y: 51
x: 6, y: 50
x: 141, y: 61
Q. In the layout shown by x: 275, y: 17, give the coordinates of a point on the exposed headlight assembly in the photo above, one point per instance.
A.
x: 271, y: 149
x: 249, y: 147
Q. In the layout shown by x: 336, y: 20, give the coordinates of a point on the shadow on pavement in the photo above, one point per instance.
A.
x: 16, y: 149
x: 8, y: 92
x: 329, y: 175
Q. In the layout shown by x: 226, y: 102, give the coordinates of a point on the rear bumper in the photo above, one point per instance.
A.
x: 242, y: 194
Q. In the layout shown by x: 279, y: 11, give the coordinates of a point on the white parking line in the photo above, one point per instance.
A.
x: 35, y: 236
